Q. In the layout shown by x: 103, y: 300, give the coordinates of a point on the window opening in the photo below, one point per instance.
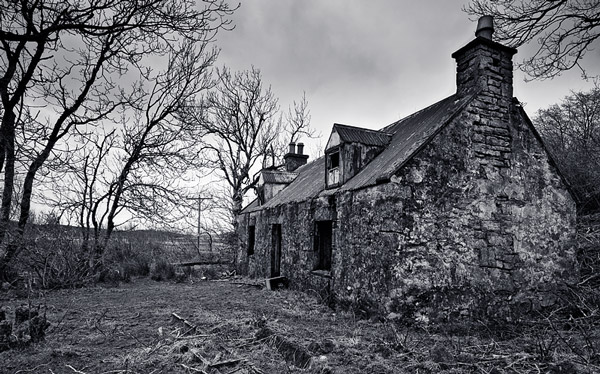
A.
x: 323, y: 244
x: 251, y: 239
x: 333, y: 170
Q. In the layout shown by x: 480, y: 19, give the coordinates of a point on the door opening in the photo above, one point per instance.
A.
x: 276, y: 250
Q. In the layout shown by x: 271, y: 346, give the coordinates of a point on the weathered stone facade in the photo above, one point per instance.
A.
x: 476, y: 219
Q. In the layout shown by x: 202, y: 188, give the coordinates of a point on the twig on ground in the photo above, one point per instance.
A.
x: 29, y: 370
x: 191, y: 327
x: 199, y: 356
x: 226, y: 362
x: 254, y: 368
x: 257, y: 285
x: 75, y: 370
x: 58, y: 324
x: 193, y: 369
x: 193, y: 336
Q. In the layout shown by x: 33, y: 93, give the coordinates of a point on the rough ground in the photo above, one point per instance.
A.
x: 244, y: 329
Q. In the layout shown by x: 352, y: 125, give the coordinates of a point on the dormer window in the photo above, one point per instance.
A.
x: 333, y: 169
x: 348, y: 150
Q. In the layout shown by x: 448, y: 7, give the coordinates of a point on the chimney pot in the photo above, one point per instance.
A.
x: 300, y: 148
x: 485, y: 27
x: 292, y: 148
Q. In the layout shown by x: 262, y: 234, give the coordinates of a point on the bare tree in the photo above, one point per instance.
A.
x: 571, y: 129
x: 565, y: 30
x: 242, y: 122
x: 68, y: 65
x: 139, y: 169
x: 296, y: 124
x: 244, y: 125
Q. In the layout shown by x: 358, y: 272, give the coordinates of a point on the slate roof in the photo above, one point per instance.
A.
x: 278, y: 177
x: 308, y: 184
x: 408, y: 136
x: 251, y: 207
x: 352, y: 134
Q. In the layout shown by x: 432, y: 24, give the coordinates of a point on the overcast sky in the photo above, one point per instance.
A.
x: 366, y: 63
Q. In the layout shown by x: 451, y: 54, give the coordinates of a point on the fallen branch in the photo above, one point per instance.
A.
x: 193, y: 369
x: 199, y: 356
x: 226, y: 362
x: 249, y: 284
x: 255, y: 369
x: 189, y: 325
x: 192, y: 263
x: 75, y: 370
x: 35, y: 369
x: 193, y: 336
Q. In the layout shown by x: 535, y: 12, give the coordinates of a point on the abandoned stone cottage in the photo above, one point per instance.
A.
x: 453, y: 208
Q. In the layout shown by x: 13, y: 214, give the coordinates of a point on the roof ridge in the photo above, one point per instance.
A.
x: 417, y: 112
x: 279, y: 171
x: 361, y: 128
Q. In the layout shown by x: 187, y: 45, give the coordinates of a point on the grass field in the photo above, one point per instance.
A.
x: 237, y: 328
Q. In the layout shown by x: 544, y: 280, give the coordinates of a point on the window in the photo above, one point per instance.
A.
x: 251, y: 238
x: 323, y: 244
x: 333, y: 169
x: 334, y: 160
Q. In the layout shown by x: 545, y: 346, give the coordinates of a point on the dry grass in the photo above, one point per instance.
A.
x: 130, y: 329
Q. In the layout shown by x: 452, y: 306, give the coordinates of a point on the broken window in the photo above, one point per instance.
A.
x: 333, y: 168
x: 323, y: 244
x: 251, y: 238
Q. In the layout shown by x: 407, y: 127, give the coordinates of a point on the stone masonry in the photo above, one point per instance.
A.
x: 477, y: 221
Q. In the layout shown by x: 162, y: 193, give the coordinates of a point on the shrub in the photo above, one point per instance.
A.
x: 162, y: 270
x: 55, y: 261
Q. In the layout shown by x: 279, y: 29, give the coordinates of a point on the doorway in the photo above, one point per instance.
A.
x: 323, y: 244
x: 275, y: 250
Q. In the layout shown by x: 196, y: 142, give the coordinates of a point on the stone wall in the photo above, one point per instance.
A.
x: 479, y: 221
x: 354, y: 157
x: 299, y: 258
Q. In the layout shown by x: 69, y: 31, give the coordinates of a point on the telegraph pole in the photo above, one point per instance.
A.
x: 200, y: 199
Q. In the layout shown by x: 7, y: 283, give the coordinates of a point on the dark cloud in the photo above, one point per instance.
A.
x: 364, y: 63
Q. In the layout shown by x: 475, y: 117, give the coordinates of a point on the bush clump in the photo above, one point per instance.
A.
x: 162, y: 270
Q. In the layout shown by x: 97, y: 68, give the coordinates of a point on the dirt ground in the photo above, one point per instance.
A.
x: 235, y: 328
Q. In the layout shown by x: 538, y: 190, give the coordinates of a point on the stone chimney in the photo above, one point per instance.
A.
x: 485, y: 65
x: 294, y: 160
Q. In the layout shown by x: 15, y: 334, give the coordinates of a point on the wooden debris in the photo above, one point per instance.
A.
x: 200, y: 358
x: 275, y: 283
x: 187, y: 337
x: 257, y: 285
x: 193, y: 369
x: 225, y: 363
x: 291, y: 352
x: 193, y: 263
x: 191, y: 327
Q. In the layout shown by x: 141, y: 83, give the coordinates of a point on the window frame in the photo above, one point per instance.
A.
x: 333, y: 170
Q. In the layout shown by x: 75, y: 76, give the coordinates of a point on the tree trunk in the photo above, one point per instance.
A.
x: 238, y: 201
x: 8, y: 139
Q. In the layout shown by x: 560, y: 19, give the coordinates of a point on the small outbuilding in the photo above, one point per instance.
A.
x: 454, y: 210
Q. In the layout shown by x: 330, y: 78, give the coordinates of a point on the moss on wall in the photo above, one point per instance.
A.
x: 479, y: 222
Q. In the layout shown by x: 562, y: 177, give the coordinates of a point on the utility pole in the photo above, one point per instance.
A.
x: 200, y: 198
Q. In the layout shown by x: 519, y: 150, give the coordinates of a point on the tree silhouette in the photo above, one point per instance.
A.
x: 564, y: 30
